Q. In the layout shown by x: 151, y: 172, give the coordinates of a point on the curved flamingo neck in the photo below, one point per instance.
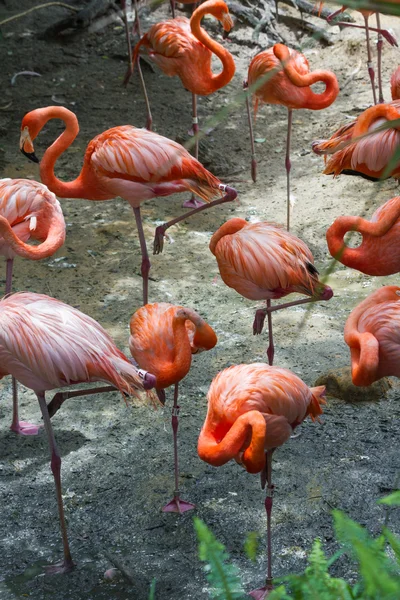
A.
x: 337, y: 246
x: 313, y: 101
x: 204, y: 336
x: 228, y: 64
x: 70, y: 189
x: 367, y: 118
x: 228, y: 228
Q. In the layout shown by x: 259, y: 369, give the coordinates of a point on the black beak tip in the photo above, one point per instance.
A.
x: 31, y: 155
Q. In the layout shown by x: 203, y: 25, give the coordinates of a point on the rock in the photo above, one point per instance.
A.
x: 339, y: 385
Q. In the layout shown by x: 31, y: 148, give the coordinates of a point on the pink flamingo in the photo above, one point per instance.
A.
x: 262, y: 261
x: 253, y: 409
x: 46, y: 344
x: 162, y: 341
x: 282, y: 76
x: 378, y: 253
x: 135, y: 164
x: 183, y: 48
x: 28, y: 210
x: 372, y: 332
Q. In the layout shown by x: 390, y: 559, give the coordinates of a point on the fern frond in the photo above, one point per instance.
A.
x: 222, y: 576
x: 394, y: 543
x: 391, y: 500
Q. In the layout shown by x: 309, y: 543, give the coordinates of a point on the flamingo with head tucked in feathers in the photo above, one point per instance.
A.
x: 253, y: 409
x: 162, y: 341
x: 262, y: 261
x: 183, y: 48
x: 281, y: 75
x: 28, y: 210
x: 46, y: 344
x: 350, y: 151
x: 135, y: 164
x: 372, y: 332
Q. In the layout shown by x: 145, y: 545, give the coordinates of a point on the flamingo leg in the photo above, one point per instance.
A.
x: 137, y: 20
x: 253, y: 148
x: 379, y: 45
x: 230, y: 195
x: 145, y: 268
x: 172, y: 3
x: 288, y: 166
x: 19, y: 427
x: 194, y: 202
x: 258, y: 326
x: 67, y: 564
x: 176, y: 504
x: 127, y: 35
x: 371, y: 71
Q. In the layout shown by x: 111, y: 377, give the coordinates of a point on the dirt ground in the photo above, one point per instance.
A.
x: 117, y: 466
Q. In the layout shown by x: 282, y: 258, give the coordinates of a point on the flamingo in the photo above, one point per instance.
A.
x: 182, y: 47
x: 262, y: 261
x: 135, y: 164
x: 377, y: 254
x: 162, y: 341
x: 46, y: 344
x: 372, y: 332
x: 253, y: 409
x: 28, y: 210
x: 369, y: 157
x: 281, y: 75
x: 382, y: 33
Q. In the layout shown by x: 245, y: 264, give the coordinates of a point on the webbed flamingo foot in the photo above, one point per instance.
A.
x: 177, y: 505
x: 258, y: 323
x: 193, y: 202
x: 65, y: 566
x: 158, y: 243
x: 262, y: 593
x: 24, y: 428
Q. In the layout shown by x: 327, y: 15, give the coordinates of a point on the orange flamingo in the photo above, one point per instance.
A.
x: 253, y: 409
x: 28, y: 210
x: 162, y: 341
x: 262, y: 261
x: 183, y: 48
x: 135, y: 164
x: 372, y: 333
x: 371, y: 156
x: 382, y: 33
x: 282, y: 76
x: 46, y: 344
x: 377, y: 254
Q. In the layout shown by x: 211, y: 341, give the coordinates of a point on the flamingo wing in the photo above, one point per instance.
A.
x: 172, y: 39
x: 23, y: 200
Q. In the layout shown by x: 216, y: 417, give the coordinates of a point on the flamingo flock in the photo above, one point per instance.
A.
x: 254, y: 408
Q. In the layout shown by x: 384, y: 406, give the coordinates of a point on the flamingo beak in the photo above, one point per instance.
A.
x: 26, y: 145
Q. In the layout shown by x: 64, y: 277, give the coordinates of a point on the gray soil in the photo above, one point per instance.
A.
x: 117, y: 465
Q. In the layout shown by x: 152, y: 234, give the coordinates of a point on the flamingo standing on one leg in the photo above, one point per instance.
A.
x: 379, y: 252
x: 370, y: 157
x: 282, y: 76
x: 46, y: 344
x: 253, y: 409
x: 135, y: 164
x: 382, y: 33
x: 372, y: 332
x: 262, y: 261
x: 183, y: 48
x: 162, y: 341
x: 28, y: 210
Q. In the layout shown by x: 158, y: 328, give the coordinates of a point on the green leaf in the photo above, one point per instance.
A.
x: 392, y: 499
x: 152, y: 594
x: 221, y: 574
x: 393, y: 541
x: 251, y: 545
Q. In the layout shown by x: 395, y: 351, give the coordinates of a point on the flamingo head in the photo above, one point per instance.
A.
x: 26, y: 144
x: 220, y: 10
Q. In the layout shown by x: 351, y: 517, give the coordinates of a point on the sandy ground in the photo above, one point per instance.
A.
x: 117, y: 461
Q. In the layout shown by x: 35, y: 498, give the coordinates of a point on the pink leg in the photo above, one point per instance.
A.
x: 379, y: 45
x: 288, y: 166
x: 145, y: 268
x: 271, y: 349
x: 176, y: 504
x: 194, y: 202
x: 369, y: 59
x: 266, y: 477
x: 230, y: 195
x: 67, y: 564
x: 253, y: 149
x: 384, y: 32
x: 172, y: 2
x: 19, y: 427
